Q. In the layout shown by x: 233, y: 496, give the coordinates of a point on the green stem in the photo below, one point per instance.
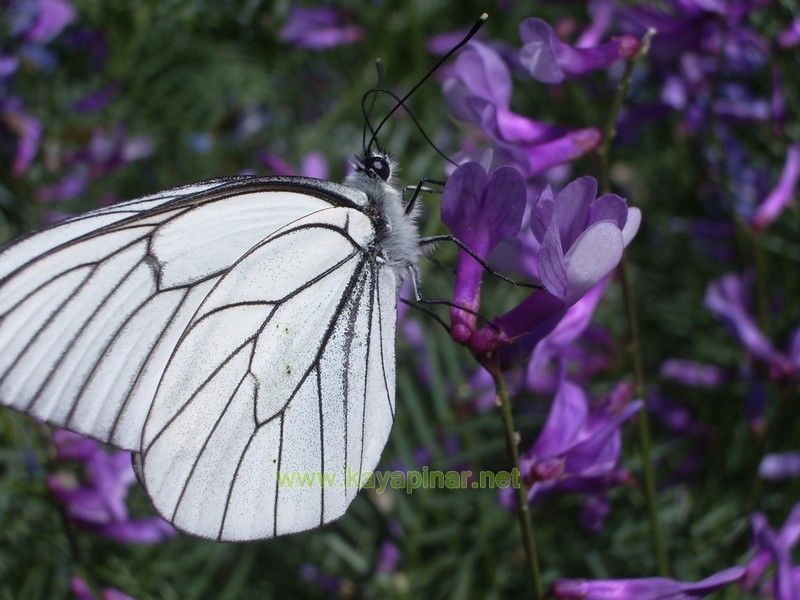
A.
x: 643, y: 420
x: 523, y: 508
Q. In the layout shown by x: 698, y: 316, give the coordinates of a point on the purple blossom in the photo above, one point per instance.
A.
x: 790, y: 37
x: 775, y: 548
x: 28, y: 130
x: 481, y: 210
x: 581, y: 241
x: 82, y: 591
x: 550, y: 60
x: 98, y: 503
x: 692, y: 373
x: 318, y: 28
x: 50, y: 20
x: 578, y: 449
x: 312, y: 164
x: 388, y: 557
x: 783, y: 193
x: 775, y: 467
x: 726, y: 298
x: 478, y: 91
x: 648, y: 588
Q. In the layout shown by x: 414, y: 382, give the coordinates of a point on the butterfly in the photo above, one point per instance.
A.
x: 223, y: 332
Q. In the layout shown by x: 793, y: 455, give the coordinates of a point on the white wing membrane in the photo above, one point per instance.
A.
x: 91, y: 309
x: 280, y: 371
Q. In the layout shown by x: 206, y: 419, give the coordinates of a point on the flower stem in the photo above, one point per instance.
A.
x: 643, y: 420
x: 610, y: 128
x: 523, y: 508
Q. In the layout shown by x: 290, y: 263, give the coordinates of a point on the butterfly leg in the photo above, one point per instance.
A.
x: 452, y: 239
x: 419, y: 188
x: 415, y: 286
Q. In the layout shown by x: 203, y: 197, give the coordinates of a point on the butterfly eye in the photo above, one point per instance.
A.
x: 379, y: 166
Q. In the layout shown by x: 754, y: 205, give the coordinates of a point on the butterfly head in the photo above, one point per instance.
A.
x: 375, y: 165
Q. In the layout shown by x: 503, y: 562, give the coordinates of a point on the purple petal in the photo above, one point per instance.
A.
x: 566, y: 418
x: 790, y: 37
x: 782, y: 194
x: 81, y: 589
x: 550, y: 60
x: 552, y: 270
x: 775, y: 467
x: 609, y: 207
x: 572, y: 208
x: 152, y: 530
x: 314, y: 165
x: 543, y: 212
x: 112, y: 594
x: 600, y: 451
x: 595, y: 253
x: 572, y: 145
x: 8, y: 65
x: 318, y: 28
x: 692, y: 373
x: 485, y: 75
x: 53, y: 17
x: 650, y: 588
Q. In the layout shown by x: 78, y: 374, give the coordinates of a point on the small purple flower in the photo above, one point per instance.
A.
x: 775, y: 467
x: 481, y: 210
x: 388, y: 558
x: 726, y: 298
x: 98, y: 504
x: 312, y: 164
x: 648, y: 588
x: 578, y: 449
x: 790, y: 37
x: 28, y: 130
x: 50, y: 20
x: 783, y: 193
x: 692, y: 373
x: 478, y: 91
x: 550, y: 60
x: 318, y: 28
x: 775, y: 548
x: 82, y: 591
x: 581, y: 241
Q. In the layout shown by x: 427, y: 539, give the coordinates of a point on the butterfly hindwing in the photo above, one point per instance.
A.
x: 283, y: 369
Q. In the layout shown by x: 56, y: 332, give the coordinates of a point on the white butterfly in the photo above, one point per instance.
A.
x: 223, y: 332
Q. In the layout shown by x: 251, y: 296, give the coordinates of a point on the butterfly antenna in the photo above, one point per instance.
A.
x: 478, y: 24
x: 375, y: 91
x: 368, y: 111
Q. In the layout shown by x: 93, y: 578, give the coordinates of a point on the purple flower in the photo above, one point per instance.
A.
x: 98, y: 503
x: 775, y: 548
x: 478, y: 90
x: 388, y: 557
x: 775, y: 467
x: 790, y: 37
x: 648, y: 588
x: 98, y: 100
x: 82, y: 591
x: 782, y: 194
x: 726, y: 298
x: 50, y: 20
x: 550, y: 60
x: 312, y: 164
x: 692, y: 373
x: 481, y: 210
x: 8, y: 66
x: 581, y: 241
x: 318, y: 28
x: 28, y: 130
x: 579, y: 447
